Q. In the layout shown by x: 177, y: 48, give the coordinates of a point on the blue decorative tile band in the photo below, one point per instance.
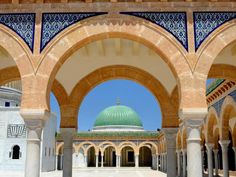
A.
x: 218, y: 104
x: 206, y: 22
x: 173, y: 22
x: 21, y: 23
x: 54, y: 23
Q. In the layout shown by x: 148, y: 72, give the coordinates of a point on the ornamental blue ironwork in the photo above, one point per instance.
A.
x: 206, y: 22
x: 21, y: 23
x: 173, y: 22
x: 54, y: 23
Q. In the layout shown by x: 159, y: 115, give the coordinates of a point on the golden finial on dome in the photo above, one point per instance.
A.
x: 117, y: 101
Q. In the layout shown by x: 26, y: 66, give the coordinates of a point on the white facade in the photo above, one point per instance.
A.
x: 13, y: 135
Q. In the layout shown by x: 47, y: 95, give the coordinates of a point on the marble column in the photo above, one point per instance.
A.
x: 170, y: 136
x: 224, y: 146
x: 117, y: 160
x: 102, y: 160
x: 56, y: 162
x: 161, y: 162
x: 67, y: 135
x: 86, y: 160
x: 136, y: 160
x: 184, y: 152
x: 216, y: 161
x: 34, y: 121
x: 157, y: 162
x: 234, y: 148
x: 209, y: 147
x: 153, y: 161
x: 192, y: 120
x: 96, y: 160
x: 178, y: 152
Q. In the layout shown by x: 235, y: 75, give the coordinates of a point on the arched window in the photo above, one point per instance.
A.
x: 16, y: 152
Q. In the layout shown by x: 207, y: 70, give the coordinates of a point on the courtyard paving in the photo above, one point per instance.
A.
x: 93, y: 172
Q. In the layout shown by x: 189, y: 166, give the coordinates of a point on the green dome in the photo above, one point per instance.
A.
x: 118, y: 115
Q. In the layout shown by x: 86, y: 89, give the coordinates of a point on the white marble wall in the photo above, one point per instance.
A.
x: 79, y: 160
x: 48, y: 156
x: 10, y: 116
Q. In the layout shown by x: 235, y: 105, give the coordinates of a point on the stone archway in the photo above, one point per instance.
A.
x: 85, y: 85
x: 156, y: 39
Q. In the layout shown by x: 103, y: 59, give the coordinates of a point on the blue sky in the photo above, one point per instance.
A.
x: 130, y: 94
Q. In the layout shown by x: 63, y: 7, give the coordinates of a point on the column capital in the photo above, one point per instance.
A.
x: 178, y: 151
x: 209, y: 146
x: 215, y: 151
x: 193, y: 113
x: 224, y: 143
x: 184, y: 151
x: 35, y: 118
x: 170, y: 135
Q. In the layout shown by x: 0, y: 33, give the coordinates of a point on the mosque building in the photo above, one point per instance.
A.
x: 117, y: 139
x: 68, y: 47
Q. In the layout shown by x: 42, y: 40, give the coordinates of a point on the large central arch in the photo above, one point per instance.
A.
x: 169, y: 111
x: 96, y: 28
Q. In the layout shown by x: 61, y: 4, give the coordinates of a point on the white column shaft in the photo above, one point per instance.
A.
x: 209, y: 159
x: 178, y: 164
x: 67, y: 134
x: 96, y: 161
x: 102, y: 160
x: 216, y: 161
x: 32, y: 166
x: 194, y: 160
x: 224, y: 146
x: 136, y: 161
x: 184, y: 162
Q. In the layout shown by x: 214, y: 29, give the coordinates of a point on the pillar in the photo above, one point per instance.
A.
x: 216, y: 161
x: 178, y: 163
x: 34, y: 121
x: 102, y: 160
x: 96, y: 160
x: 184, y: 152
x: 234, y: 148
x: 193, y: 120
x: 67, y: 135
x: 117, y: 161
x: 170, y: 136
x: 165, y: 162
x: 136, y: 160
x: 56, y: 162
x: 157, y: 162
x: 209, y: 147
x: 86, y: 160
x: 224, y: 146
x: 161, y: 162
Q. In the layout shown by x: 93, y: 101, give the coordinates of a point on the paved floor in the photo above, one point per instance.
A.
x: 92, y: 172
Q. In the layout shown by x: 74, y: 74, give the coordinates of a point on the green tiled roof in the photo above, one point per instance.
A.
x: 118, y: 115
x: 214, y: 85
x: 138, y: 134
